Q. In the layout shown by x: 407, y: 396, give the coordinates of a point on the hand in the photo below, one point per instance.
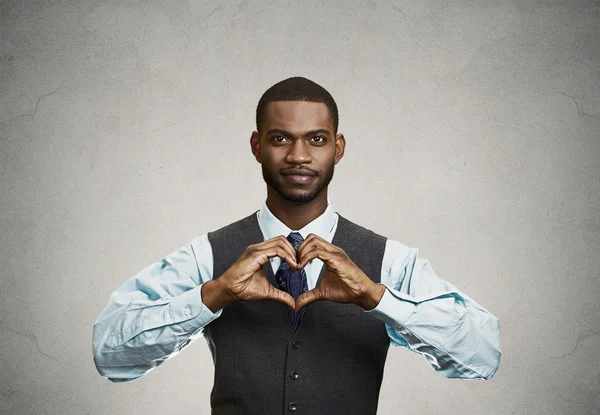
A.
x: 343, y: 281
x: 246, y: 280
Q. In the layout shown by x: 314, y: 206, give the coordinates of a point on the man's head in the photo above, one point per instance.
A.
x: 296, y: 88
x: 296, y: 140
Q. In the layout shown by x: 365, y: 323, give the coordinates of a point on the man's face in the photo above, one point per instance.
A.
x: 297, y: 149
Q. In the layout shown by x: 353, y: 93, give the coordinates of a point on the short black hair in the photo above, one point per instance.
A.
x: 297, y: 88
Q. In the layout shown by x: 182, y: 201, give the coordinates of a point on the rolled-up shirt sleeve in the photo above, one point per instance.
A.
x: 155, y: 314
x: 428, y: 315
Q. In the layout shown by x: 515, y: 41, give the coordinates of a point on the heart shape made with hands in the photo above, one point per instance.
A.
x: 342, y: 281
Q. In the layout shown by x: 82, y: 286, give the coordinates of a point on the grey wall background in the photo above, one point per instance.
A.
x: 473, y: 131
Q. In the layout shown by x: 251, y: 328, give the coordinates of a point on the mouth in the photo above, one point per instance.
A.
x: 299, y: 178
x: 298, y: 172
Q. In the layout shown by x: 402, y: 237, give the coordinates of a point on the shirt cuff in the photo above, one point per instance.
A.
x: 392, y: 310
x: 188, y: 308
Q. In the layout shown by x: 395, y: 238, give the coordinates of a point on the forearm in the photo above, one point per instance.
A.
x: 457, y: 339
x: 154, y: 314
x: 426, y: 314
x: 134, y: 339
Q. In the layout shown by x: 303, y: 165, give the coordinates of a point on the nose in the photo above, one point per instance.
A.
x: 298, y: 153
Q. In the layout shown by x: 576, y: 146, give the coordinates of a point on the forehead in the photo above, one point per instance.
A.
x: 297, y: 116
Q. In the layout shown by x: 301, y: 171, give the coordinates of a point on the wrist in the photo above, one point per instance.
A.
x: 372, y: 296
x: 215, y: 295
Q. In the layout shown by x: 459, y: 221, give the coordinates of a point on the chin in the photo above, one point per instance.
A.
x: 299, y: 197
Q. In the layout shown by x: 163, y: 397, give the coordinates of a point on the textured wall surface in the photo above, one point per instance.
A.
x: 473, y: 131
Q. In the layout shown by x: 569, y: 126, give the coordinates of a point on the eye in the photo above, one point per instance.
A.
x: 322, y: 139
x: 278, y: 138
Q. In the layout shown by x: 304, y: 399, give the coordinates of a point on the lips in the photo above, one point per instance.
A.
x: 299, y: 176
x: 299, y: 179
x: 296, y: 172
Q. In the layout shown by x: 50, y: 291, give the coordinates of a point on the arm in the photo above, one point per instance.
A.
x: 155, y: 314
x: 158, y: 312
x: 457, y: 336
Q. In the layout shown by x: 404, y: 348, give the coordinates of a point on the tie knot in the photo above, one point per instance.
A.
x: 295, y: 239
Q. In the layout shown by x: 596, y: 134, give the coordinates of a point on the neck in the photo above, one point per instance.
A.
x: 296, y: 215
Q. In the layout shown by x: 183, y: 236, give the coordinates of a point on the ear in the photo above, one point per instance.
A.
x: 255, y: 146
x: 340, y: 146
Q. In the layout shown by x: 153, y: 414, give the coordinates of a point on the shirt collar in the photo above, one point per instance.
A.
x: 322, y: 226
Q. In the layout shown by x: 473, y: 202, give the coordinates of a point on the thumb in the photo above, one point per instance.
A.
x: 281, y: 296
x: 308, y: 297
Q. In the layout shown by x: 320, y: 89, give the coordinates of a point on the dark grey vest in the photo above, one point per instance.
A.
x: 333, y: 363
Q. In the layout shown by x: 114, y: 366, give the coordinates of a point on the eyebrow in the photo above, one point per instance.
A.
x: 311, y: 132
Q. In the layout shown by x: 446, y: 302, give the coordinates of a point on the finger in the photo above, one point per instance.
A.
x: 283, y: 239
x: 279, y: 241
x: 282, y: 242
x: 309, y: 243
x: 308, y: 297
x: 317, y: 251
x: 281, y: 296
x: 312, y: 239
x: 315, y: 236
x: 262, y: 255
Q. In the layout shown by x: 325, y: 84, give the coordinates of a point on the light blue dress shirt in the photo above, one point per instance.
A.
x: 158, y: 312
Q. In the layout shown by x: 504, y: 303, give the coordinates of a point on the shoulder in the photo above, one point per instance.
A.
x: 202, y: 243
x: 242, y: 225
x: 394, y: 249
x: 354, y: 228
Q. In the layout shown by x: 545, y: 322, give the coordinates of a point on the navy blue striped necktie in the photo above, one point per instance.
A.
x: 293, y: 282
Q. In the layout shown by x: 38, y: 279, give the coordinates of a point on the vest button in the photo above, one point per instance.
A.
x: 294, y: 375
x: 296, y: 344
x: 292, y: 406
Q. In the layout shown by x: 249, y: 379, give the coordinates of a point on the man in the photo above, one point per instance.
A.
x: 298, y: 304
